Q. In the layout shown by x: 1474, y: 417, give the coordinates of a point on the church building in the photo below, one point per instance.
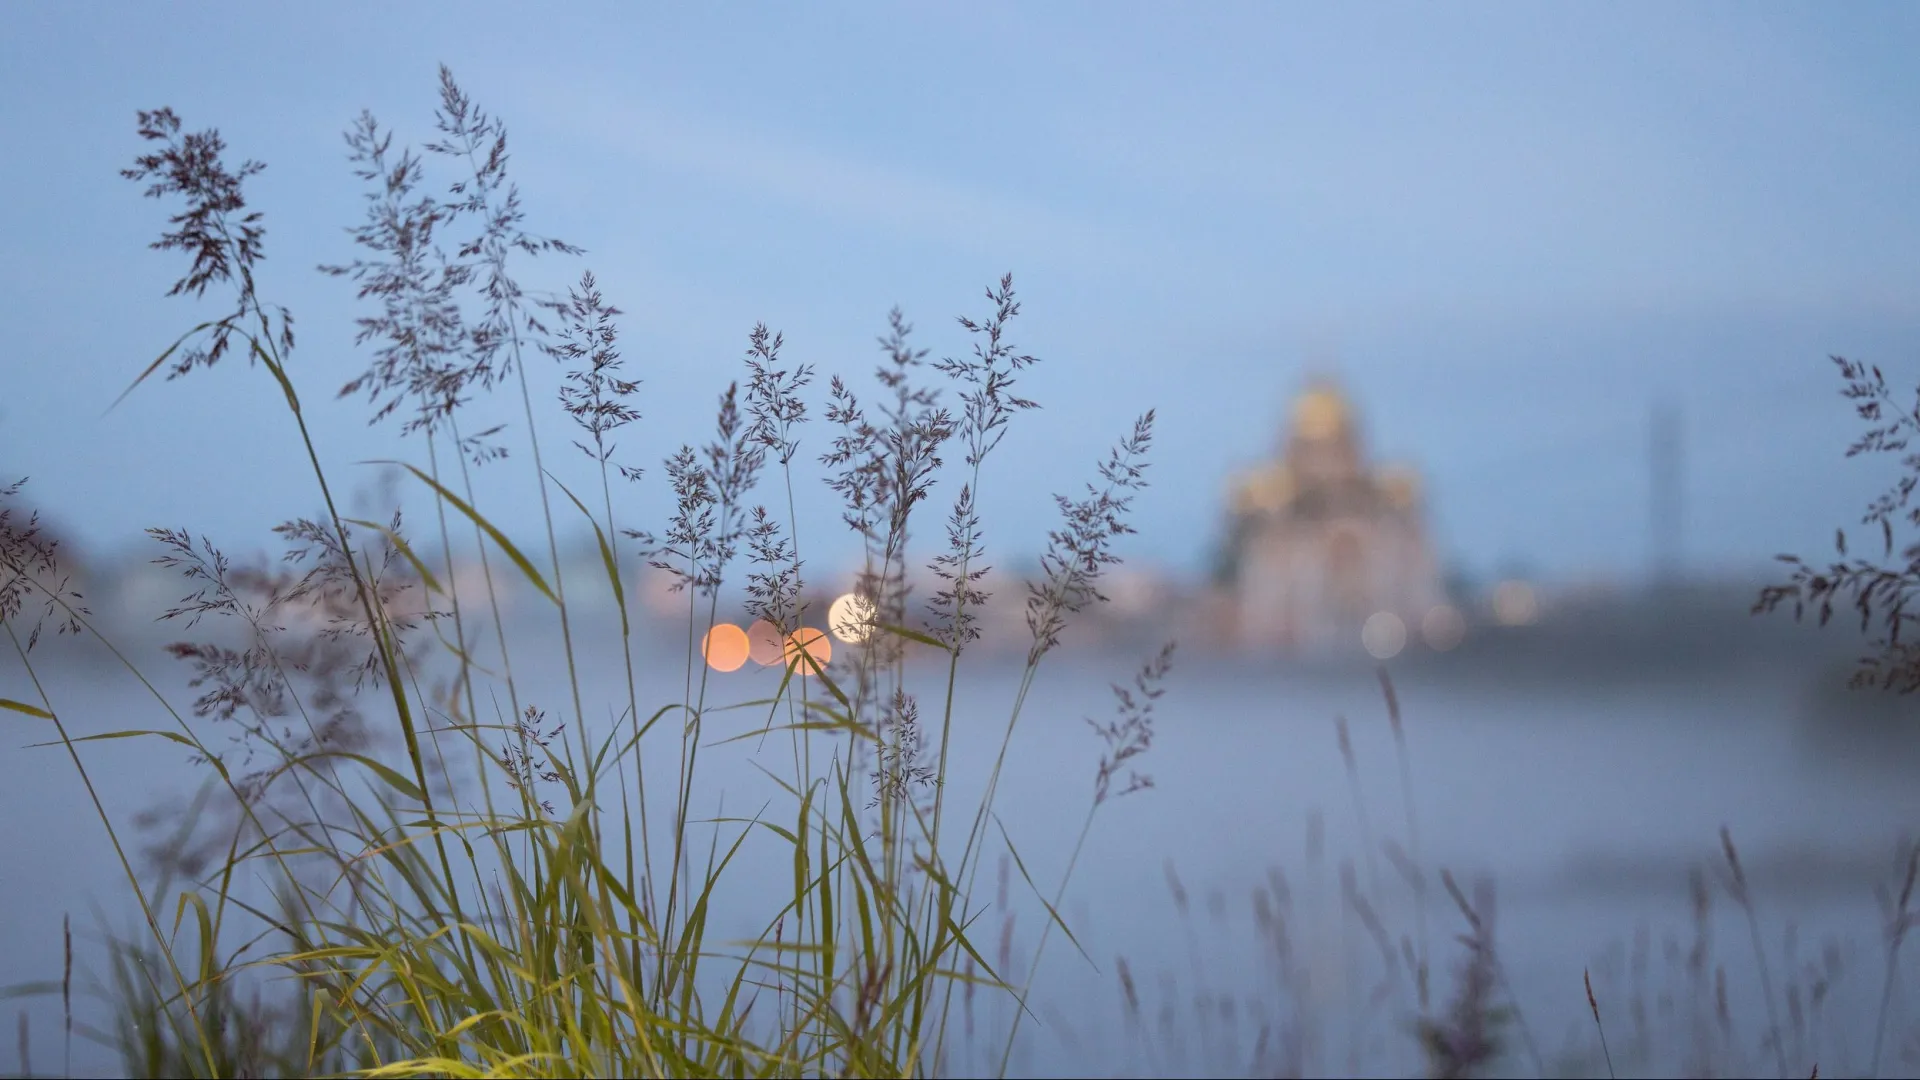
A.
x: 1320, y: 540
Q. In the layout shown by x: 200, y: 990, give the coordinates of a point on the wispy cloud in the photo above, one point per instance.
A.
x: 859, y: 190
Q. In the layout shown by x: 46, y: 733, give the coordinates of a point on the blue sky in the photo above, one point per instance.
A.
x: 1507, y: 228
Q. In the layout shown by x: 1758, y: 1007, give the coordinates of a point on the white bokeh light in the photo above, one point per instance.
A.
x: 1442, y: 627
x: 851, y: 618
x: 1514, y: 603
x: 1384, y: 635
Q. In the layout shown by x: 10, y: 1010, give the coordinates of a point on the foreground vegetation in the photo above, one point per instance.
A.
x: 461, y: 880
x: 522, y: 891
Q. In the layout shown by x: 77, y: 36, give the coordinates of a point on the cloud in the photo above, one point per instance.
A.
x: 873, y: 194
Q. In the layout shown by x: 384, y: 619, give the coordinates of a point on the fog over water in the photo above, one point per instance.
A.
x: 1585, y: 804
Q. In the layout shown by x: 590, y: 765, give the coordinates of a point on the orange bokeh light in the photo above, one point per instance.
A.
x: 765, y: 646
x: 817, y: 645
x: 725, y: 647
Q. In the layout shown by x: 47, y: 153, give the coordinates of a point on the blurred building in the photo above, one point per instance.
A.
x: 1320, y: 540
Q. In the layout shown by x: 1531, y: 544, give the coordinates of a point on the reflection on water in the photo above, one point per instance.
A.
x: 1587, y: 805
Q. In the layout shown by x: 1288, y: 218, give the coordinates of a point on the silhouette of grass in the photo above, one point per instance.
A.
x: 492, y: 897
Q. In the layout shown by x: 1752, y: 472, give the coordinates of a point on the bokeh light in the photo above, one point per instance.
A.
x: 1442, y: 627
x: 1514, y: 603
x: 725, y: 647
x: 817, y: 645
x: 851, y: 618
x: 1384, y: 635
x: 765, y: 643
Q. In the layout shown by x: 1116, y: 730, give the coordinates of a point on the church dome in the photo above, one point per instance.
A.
x: 1321, y: 413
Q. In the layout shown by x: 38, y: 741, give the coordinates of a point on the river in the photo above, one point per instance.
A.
x: 1585, y: 804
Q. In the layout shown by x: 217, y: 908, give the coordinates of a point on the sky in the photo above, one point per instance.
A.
x: 1508, y: 230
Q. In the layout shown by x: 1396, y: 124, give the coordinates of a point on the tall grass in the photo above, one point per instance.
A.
x: 463, y: 881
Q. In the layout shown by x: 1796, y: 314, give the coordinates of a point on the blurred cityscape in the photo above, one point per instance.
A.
x: 1323, y: 560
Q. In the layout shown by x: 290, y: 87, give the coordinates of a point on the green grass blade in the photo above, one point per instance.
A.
x: 1028, y: 878
x: 172, y: 735
x: 499, y: 538
x: 607, y: 559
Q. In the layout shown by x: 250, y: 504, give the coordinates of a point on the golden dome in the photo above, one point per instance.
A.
x: 1320, y: 413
